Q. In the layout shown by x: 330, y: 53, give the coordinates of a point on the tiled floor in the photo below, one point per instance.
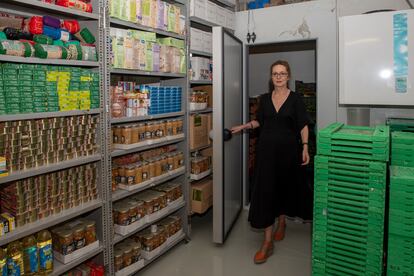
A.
x: 200, y: 257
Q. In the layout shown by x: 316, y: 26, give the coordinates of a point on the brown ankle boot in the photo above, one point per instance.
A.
x: 264, y: 253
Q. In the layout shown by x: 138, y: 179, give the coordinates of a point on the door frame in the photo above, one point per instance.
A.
x: 218, y: 205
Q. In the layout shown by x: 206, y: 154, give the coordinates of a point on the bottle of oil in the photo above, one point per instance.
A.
x: 44, y: 245
x: 3, y: 262
x: 30, y: 256
x: 15, y: 259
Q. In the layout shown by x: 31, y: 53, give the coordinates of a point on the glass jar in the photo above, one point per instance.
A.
x: 79, y: 236
x: 66, y: 244
x: 44, y: 245
x: 169, y: 128
x: 90, y: 231
x: 138, y: 173
x: 148, y: 131
x: 142, y: 211
x: 148, y: 242
x: 122, y: 215
x: 164, y: 164
x: 145, y: 171
x: 170, y: 161
x: 117, y: 137
x: 176, y: 160
x: 180, y: 159
x: 136, y: 251
x: 130, y: 175
x: 126, y: 135
x: 141, y: 132
x: 135, y: 134
x: 15, y: 259
x: 127, y: 256
x: 122, y: 176
x: 119, y: 261
x: 163, y: 127
x: 151, y: 163
x: 175, y: 127
x: 158, y: 166
x: 133, y: 211
x: 30, y: 256
x: 180, y: 128
x: 156, y: 130
x: 114, y: 178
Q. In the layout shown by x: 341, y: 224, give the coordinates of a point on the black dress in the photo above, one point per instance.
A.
x: 278, y: 159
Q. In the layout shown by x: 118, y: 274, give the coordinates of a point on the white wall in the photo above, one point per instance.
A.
x: 317, y: 20
x: 308, y: 20
x: 302, y: 65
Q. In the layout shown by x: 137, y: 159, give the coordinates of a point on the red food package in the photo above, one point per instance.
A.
x: 36, y: 25
x: 75, y: 4
x: 71, y: 25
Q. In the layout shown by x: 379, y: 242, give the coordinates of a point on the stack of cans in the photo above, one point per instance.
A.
x: 32, y: 143
x: 349, y: 200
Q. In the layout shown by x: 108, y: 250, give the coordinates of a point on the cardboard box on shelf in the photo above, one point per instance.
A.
x: 196, y: 42
x: 198, y: 8
x: 209, y: 90
x: 202, y: 196
x: 208, y: 153
x: 198, y: 131
x: 207, y: 42
x: 221, y: 16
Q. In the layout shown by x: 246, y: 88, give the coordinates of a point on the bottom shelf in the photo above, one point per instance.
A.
x: 60, y: 268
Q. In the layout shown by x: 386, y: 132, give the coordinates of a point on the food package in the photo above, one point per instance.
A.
x: 16, y: 34
x: 75, y: 51
x: 50, y: 52
x: 153, y: 14
x: 51, y: 22
x: 129, y: 51
x: 16, y: 48
x: 89, y: 53
x: 146, y: 12
x: 43, y: 39
x: 155, y: 57
x: 164, y: 67
x: 138, y: 12
x: 72, y: 26
x: 36, y: 25
x: 165, y: 20
x: 114, y: 8
x: 75, y: 4
x: 85, y: 36
x: 171, y: 18
x: 176, y: 60
x: 160, y: 15
x: 177, y: 13
x: 149, y: 57
x: 183, y: 61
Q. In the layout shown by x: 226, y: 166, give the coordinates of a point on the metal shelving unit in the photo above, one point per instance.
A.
x: 100, y: 210
x: 120, y: 152
x: 207, y: 110
x: 121, y: 194
x: 146, y: 73
x: 146, y: 118
x: 33, y: 60
x: 118, y: 22
x: 94, y: 209
x: 31, y: 116
x: 201, y: 82
x: 49, y: 168
x: 201, y: 148
x: 52, y: 8
x: 200, y: 53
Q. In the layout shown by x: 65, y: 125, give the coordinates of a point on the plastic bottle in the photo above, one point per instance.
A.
x: 44, y: 245
x: 15, y: 259
x: 30, y: 256
x: 3, y: 262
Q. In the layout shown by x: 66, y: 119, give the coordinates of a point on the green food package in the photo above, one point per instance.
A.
x: 16, y: 48
x: 75, y: 51
x: 85, y: 36
x: 50, y: 51
x: 3, y: 36
x: 43, y: 39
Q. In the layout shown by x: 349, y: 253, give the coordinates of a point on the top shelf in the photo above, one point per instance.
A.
x: 51, y: 8
x: 226, y: 3
x: 202, y: 21
x: 123, y: 23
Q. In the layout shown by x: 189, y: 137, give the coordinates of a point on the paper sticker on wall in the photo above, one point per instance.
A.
x: 400, y: 52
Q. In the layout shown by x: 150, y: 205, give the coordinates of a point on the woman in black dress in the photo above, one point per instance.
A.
x: 282, y: 119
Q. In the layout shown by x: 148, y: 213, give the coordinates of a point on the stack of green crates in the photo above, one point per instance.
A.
x: 401, y: 124
x: 402, y: 148
x: 401, y: 222
x: 349, y: 200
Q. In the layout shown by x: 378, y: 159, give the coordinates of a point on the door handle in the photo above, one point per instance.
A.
x: 227, y: 135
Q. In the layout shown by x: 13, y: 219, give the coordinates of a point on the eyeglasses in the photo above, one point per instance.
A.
x: 280, y: 75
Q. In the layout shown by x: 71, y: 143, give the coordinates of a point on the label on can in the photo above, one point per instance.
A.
x: 45, y: 255
x: 15, y: 265
x: 31, y: 259
x: 3, y: 268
